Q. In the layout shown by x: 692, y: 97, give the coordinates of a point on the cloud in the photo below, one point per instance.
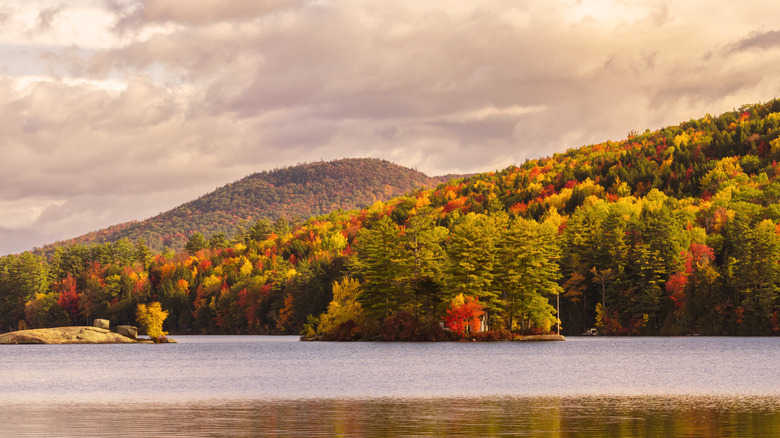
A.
x: 758, y: 41
x: 47, y: 16
x: 6, y: 14
x: 183, y: 97
x: 203, y: 12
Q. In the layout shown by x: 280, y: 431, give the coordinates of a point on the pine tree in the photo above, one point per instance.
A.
x: 379, y: 264
x: 472, y: 255
x: 528, y: 272
x: 424, y: 262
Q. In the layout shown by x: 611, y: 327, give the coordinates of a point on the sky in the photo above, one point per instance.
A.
x: 117, y: 110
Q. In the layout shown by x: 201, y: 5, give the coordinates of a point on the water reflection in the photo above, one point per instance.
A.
x: 524, y: 416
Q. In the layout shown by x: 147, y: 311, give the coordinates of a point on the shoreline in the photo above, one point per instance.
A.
x: 70, y: 335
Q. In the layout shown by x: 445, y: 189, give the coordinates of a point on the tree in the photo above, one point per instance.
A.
x: 692, y: 293
x: 424, y: 262
x: 528, y: 273
x: 751, y: 271
x: 344, y: 307
x: 151, y: 319
x: 21, y: 278
x: 261, y: 230
x: 603, y: 278
x: 472, y: 255
x: 143, y: 255
x: 657, y: 244
x: 43, y: 311
x: 196, y: 243
x: 218, y: 240
x: 281, y: 226
x: 464, y: 315
x: 377, y: 262
x: 580, y: 254
x: 68, y: 298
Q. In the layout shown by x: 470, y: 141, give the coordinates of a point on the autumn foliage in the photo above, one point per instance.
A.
x: 667, y: 232
x: 151, y: 318
x: 464, y: 315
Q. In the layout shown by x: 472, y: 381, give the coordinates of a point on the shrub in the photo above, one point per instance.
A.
x: 346, y: 331
x: 403, y: 326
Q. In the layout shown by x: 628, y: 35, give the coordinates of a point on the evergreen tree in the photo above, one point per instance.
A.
x: 472, y: 255
x: 378, y: 262
x: 424, y: 262
x: 261, y: 230
x: 196, y: 243
x: 21, y: 278
x: 528, y: 272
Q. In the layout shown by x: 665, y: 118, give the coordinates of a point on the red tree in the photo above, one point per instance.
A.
x: 463, y: 315
x: 69, y: 296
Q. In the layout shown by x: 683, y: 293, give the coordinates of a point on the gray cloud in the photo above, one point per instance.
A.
x: 203, y: 12
x: 6, y: 14
x: 48, y: 15
x: 758, y: 41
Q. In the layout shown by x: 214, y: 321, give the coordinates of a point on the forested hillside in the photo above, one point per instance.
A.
x: 669, y: 232
x: 291, y: 193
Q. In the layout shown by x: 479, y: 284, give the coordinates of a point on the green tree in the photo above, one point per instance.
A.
x: 21, y: 278
x: 261, y: 230
x: 196, y: 243
x: 472, y: 255
x: 580, y: 243
x: 218, y: 240
x: 378, y: 262
x: 281, y: 226
x: 657, y: 245
x: 528, y: 273
x: 751, y: 271
x: 143, y: 255
x: 424, y: 262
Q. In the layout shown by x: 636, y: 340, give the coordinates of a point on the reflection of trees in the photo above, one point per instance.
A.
x: 592, y: 416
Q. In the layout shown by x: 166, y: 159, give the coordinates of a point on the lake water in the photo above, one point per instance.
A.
x: 278, y: 386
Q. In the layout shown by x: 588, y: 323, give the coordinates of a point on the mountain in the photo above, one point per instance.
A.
x: 667, y: 232
x: 293, y: 193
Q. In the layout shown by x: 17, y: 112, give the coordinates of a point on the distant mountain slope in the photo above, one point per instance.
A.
x: 291, y: 192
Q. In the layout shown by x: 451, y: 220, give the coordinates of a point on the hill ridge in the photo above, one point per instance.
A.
x: 290, y: 192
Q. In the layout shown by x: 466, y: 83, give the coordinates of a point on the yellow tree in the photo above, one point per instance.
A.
x: 151, y: 318
x: 344, y: 306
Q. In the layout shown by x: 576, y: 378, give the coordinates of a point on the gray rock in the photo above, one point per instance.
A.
x: 101, y: 323
x: 127, y: 330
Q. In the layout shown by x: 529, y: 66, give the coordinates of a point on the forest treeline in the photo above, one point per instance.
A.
x: 669, y: 232
x: 294, y: 193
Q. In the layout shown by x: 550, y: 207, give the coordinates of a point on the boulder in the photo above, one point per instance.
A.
x: 101, y: 323
x: 127, y: 330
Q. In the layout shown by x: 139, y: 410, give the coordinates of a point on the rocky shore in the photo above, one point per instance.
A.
x: 98, y: 334
x: 534, y: 338
x: 65, y: 335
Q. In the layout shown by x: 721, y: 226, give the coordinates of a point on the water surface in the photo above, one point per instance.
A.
x: 278, y: 386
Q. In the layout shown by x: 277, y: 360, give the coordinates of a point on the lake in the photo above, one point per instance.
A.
x: 279, y: 386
